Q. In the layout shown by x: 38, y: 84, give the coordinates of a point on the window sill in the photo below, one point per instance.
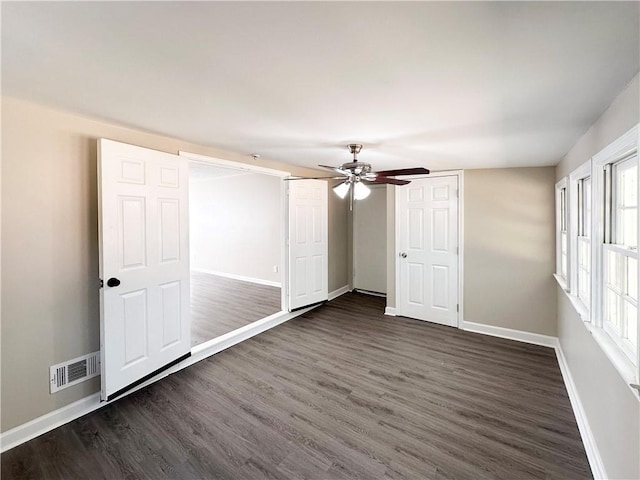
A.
x: 562, y: 282
x: 627, y: 370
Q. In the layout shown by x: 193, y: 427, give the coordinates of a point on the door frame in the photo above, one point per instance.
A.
x: 247, y: 167
x: 448, y: 173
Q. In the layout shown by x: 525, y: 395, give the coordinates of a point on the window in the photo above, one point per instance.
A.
x: 562, y: 217
x: 583, y: 241
x: 598, y: 269
x: 620, y: 254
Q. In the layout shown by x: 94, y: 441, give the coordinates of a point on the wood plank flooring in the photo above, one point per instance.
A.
x: 220, y: 305
x: 340, y: 392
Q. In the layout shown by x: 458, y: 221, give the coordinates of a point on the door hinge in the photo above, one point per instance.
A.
x: 101, y: 283
x: 458, y: 307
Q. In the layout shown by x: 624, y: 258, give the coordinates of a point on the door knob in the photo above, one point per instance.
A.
x: 403, y: 255
x: 113, y: 282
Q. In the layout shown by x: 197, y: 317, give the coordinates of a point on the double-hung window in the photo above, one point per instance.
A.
x: 620, y: 254
x: 580, y: 232
x: 583, y: 277
x: 562, y: 228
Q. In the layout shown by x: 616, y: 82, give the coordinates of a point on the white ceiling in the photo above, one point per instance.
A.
x: 443, y: 85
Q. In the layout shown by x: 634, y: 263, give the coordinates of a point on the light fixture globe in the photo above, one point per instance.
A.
x: 342, y: 189
x: 360, y: 191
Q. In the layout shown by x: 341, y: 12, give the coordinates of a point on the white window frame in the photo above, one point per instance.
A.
x: 562, y: 228
x: 576, y: 213
x: 622, y: 252
x: 620, y: 149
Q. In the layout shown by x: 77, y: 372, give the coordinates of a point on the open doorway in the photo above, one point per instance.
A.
x: 235, y: 227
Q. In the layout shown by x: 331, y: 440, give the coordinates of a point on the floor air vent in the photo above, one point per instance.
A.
x: 74, y: 371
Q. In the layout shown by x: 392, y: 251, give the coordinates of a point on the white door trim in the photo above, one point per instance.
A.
x: 284, y: 205
x: 460, y: 175
x: 220, y: 162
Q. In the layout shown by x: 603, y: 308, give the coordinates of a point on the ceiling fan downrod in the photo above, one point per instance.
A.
x: 354, y: 149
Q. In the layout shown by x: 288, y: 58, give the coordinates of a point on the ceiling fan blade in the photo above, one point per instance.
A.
x: 404, y: 171
x: 336, y: 169
x: 390, y: 181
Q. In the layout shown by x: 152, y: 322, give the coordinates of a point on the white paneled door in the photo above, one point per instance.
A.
x: 308, y: 243
x: 427, y: 245
x: 144, y: 263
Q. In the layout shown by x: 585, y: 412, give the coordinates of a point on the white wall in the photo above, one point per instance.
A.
x: 370, y: 241
x: 236, y: 225
x: 612, y: 411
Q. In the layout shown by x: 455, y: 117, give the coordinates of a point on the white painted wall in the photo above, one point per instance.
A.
x: 236, y: 225
x: 612, y: 411
x: 370, y: 241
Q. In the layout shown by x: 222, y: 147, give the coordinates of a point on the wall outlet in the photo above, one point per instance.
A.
x: 275, y: 269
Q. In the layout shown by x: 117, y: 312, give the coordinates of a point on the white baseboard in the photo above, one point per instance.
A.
x: 370, y: 292
x: 593, y: 454
x: 390, y: 311
x: 45, y: 423
x: 239, y: 277
x: 519, y: 335
x: 340, y: 291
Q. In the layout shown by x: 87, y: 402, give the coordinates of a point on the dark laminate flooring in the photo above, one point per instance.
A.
x: 340, y: 392
x: 220, y: 305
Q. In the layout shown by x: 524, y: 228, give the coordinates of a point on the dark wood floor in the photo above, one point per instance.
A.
x: 220, y: 305
x: 340, y: 392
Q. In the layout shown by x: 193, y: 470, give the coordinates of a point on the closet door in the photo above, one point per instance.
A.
x: 308, y: 243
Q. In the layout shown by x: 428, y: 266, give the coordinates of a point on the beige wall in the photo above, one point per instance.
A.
x: 233, y: 231
x: 369, y: 231
x: 339, y: 242
x: 611, y: 408
x: 50, y: 251
x: 508, y: 247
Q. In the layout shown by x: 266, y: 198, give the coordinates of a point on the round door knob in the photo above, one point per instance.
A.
x: 113, y: 282
x: 403, y: 255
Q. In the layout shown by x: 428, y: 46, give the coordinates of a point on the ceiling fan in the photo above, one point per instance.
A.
x: 356, y: 175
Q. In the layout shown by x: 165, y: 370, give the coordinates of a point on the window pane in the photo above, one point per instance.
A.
x: 587, y: 207
x: 631, y: 321
x: 626, y: 202
x: 612, y: 314
x: 632, y: 277
x: 583, y: 286
x: 629, y: 227
x: 613, y: 269
x: 563, y: 209
x: 629, y: 186
x: 563, y: 254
